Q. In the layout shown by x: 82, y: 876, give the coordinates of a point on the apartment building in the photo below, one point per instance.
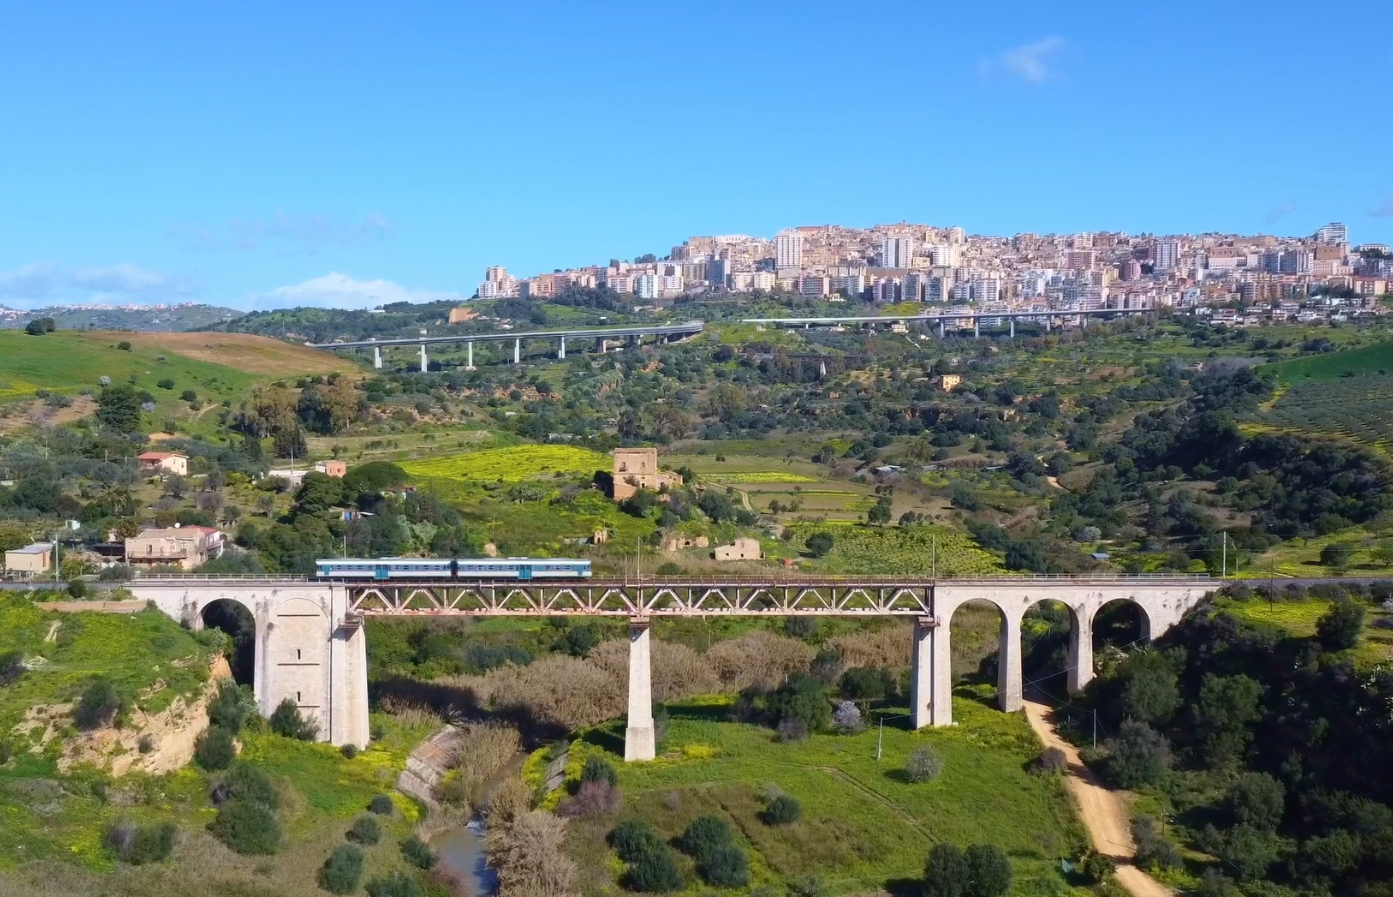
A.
x: 183, y: 547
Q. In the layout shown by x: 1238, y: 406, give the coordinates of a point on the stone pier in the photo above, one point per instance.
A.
x: 640, y: 743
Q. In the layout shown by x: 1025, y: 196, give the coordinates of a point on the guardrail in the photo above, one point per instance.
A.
x: 794, y: 578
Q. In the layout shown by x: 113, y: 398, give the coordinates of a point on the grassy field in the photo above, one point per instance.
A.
x: 218, y: 367
x: 511, y: 464
x: 134, y: 651
x: 899, y: 550
x: 864, y: 825
x: 1299, y: 618
x: 1374, y: 359
x: 1301, y: 557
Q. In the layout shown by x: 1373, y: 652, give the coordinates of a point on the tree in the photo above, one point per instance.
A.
x: 40, y: 326
x: 866, y: 684
x: 801, y: 699
x: 879, y: 513
x: 1257, y: 799
x: 924, y: 764
x: 819, y: 544
x: 98, y: 705
x: 988, y: 871
x: 1338, y: 555
x: 118, y: 407
x: 1139, y: 755
x: 847, y: 718
x: 726, y: 867
x: 365, y: 830
x: 318, y: 493
x: 1338, y: 628
x: 1222, y: 713
x: 945, y: 872
x: 703, y: 836
x: 247, y: 827
x: 1150, y: 687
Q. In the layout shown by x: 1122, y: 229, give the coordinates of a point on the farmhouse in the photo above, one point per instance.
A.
x: 742, y: 549
x: 637, y: 468
x: 31, y: 560
x: 162, y: 463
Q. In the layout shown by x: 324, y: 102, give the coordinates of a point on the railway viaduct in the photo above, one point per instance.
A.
x: 311, y: 644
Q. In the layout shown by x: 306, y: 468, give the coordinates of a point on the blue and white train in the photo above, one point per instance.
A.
x: 451, y: 568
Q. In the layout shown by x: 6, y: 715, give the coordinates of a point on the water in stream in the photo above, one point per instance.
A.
x: 461, y: 857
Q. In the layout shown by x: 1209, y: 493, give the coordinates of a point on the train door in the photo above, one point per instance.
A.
x: 524, y: 571
x: 381, y: 571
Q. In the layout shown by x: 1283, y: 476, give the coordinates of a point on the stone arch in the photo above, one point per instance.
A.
x: 1038, y: 669
x: 1117, y: 619
x: 1008, y: 669
x: 236, y: 619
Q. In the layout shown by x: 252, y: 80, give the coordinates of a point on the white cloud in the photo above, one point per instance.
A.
x: 129, y: 279
x: 294, y: 234
x: 335, y: 290
x: 28, y: 283
x: 1029, y: 62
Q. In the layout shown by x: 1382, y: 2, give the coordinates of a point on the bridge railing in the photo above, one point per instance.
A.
x: 690, y: 582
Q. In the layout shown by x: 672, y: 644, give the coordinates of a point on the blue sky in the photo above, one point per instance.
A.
x: 268, y: 154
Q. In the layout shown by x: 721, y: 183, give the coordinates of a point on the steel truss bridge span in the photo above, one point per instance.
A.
x: 870, y: 596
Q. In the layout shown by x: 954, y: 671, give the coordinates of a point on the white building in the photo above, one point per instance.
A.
x: 646, y: 286
x: 945, y: 256
x: 788, y: 250
x: 896, y: 252
x: 1167, y: 255
x: 1333, y: 234
x: 764, y: 280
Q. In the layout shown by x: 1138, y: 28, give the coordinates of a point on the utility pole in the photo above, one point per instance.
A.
x: 1224, y: 555
x: 1095, y: 728
x: 880, y: 739
x: 933, y: 558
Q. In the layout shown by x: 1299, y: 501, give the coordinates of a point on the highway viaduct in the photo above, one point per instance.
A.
x: 953, y: 319
x: 601, y: 335
x: 311, y: 645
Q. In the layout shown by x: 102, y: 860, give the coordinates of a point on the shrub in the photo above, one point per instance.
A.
x: 792, y: 730
x: 945, y: 871
x: 214, y: 750
x: 245, y: 781
x: 782, y: 810
x: 343, y: 870
x: 809, y: 885
x: 11, y: 666
x: 800, y: 627
x: 726, y: 866
x: 988, y: 870
x: 146, y: 744
x: 593, y: 799
x: 819, y: 544
x: 365, y: 830
x: 231, y: 706
x: 1099, y: 867
x: 703, y: 835
x: 598, y: 769
x: 1153, y: 850
x: 247, y: 827
x: 382, y: 805
x: 77, y: 589
x: 632, y: 838
x: 1338, y: 629
x: 924, y: 765
x: 847, y: 718
x: 397, y: 884
x: 417, y: 853
x: 287, y: 722
x: 139, y: 845
x: 653, y: 871
x: 1337, y: 554
x: 124, y: 346
x: 98, y: 705
x: 801, y: 698
x: 1051, y: 759
x: 866, y: 684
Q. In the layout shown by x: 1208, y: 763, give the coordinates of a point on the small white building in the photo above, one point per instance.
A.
x: 742, y: 549
x: 163, y: 463
x: 30, y: 561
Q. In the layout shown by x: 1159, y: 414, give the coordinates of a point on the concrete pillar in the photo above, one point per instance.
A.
x: 632, y: 340
x: 1013, y: 328
x: 977, y: 327
x: 941, y: 704
x: 517, y: 351
x: 1080, y: 649
x: 1049, y: 323
x: 561, y: 352
x: 942, y: 330
x: 1008, y: 661
x: 921, y: 674
x: 469, y: 364
x: 1083, y: 321
x: 639, y: 739
x: 425, y: 364
x: 601, y: 346
x: 377, y: 357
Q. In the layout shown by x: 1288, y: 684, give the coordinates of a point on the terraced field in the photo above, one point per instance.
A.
x: 1360, y: 408
x: 511, y: 464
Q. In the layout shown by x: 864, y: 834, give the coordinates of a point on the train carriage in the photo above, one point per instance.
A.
x: 451, y: 568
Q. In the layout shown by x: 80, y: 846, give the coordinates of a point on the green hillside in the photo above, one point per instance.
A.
x: 1375, y: 359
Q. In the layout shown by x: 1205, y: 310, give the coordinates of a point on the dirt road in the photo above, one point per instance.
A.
x: 1102, y: 810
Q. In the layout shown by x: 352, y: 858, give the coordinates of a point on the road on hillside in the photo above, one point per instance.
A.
x: 1103, y: 811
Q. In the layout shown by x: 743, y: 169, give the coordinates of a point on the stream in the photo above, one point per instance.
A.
x: 461, y: 849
